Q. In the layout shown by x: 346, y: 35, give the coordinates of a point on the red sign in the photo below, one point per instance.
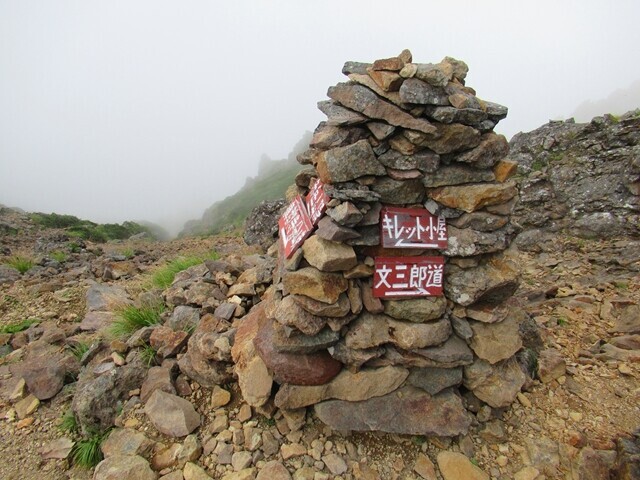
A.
x: 408, y: 277
x: 412, y: 228
x: 294, y: 226
x: 317, y: 201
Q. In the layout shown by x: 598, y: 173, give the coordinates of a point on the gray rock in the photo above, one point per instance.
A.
x: 332, y: 231
x: 184, y: 318
x: 466, y: 116
x: 574, y: 177
x: 261, y: 226
x: 416, y: 310
x: 125, y: 441
x: 397, y: 192
x: 414, y: 90
x: 452, y: 353
x: 433, y: 380
x: 326, y: 137
x: 371, y: 330
x: 497, y: 341
x: 171, y: 415
x: 491, y: 282
x: 456, y: 174
x: 8, y: 274
x: 496, y: 385
x: 102, y: 297
x: 338, y: 115
x: 348, y: 163
x: 303, y: 343
x: 290, y: 313
x: 408, y: 411
x: 365, y: 101
x: 424, y: 161
x: 96, y: 401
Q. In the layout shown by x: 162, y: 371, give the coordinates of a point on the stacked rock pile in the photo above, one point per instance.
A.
x: 398, y: 134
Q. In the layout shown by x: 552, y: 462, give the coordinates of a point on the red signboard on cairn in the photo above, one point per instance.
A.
x: 412, y: 228
x: 294, y: 226
x: 317, y: 201
x: 408, y: 277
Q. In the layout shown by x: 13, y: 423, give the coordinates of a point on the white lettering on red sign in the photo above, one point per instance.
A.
x: 294, y: 226
x: 317, y: 201
x: 412, y: 228
x: 407, y: 277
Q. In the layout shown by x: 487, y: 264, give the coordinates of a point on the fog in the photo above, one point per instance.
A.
x: 125, y: 110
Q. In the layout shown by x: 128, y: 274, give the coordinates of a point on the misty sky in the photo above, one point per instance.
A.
x: 117, y: 110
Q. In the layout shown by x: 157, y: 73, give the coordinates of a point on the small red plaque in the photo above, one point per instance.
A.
x: 412, y: 228
x: 408, y: 277
x: 317, y: 201
x: 294, y: 226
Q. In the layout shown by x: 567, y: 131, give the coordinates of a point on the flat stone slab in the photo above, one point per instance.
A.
x: 408, y: 411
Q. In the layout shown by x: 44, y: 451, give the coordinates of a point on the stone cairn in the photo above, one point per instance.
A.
x: 398, y: 134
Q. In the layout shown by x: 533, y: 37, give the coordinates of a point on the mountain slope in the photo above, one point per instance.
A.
x: 273, y: 179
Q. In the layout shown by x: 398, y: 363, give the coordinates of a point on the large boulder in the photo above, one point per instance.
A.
x: 97, y: 399
x: 409, y: 411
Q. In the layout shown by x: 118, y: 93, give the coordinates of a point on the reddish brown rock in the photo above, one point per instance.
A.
x: 310, y: 369
x: 167, y: 342
x: 388, y: 81
x: 253, y: 377
x: 408, y: 411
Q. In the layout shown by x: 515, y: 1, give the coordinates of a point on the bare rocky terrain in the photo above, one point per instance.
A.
x: 582, y: 294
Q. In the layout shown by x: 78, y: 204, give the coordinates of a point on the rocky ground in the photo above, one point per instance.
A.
x: 582, y: 294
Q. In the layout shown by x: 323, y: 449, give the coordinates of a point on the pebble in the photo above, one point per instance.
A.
x: 624, y: 369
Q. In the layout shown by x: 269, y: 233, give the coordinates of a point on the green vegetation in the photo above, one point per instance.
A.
x: 537, y: 165
x: 148, y: 354
x: 88, y: 230
x: 621, y: 285
x: 418, y: 439
x: 271, y: 183
x: 163, y: 276
x: 18, y: 327
x: 79, y: 349
x: 562, y: 321
x: 74, y: 247
x: 20, y: 263
x: 128, y: 253
x: 132, y: 318
x: 69, y: 422
x: 86, y: 453
x: 59, y: 256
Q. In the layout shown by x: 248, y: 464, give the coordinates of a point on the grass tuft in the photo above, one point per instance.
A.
x: 148, y: 354
x: 59, y: 256
x: 69, y: 422
x: 79, y: 349
x: 86, y: 453
x: 163, y: 277
x: 18, y: 327
x: 132, y: 318
x: 20, y: 263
